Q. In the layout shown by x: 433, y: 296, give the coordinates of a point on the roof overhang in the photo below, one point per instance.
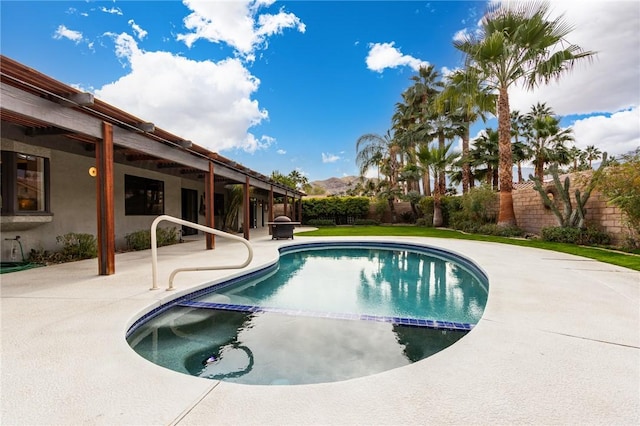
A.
x: 42, y: 107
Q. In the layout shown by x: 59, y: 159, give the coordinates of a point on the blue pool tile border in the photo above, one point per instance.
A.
x: 413, y: 322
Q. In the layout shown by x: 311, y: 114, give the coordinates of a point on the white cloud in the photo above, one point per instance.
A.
x: 610, y: 82
x: 236, y: 23
x: 112, y: 11
x: 329, y: 158
x: 385, y: 55
x: 281, y: 151
x: 206, y: 102
x: 64, y: 32
x: 137, y: 29
x: 617, y: 134
x: 608, y: 87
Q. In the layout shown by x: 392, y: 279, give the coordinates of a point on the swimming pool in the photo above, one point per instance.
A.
x: 324, y: 312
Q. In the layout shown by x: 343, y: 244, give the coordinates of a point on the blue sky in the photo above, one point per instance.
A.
x: 292, y: 85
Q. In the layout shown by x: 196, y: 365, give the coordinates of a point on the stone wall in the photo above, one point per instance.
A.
x: 532, y: 215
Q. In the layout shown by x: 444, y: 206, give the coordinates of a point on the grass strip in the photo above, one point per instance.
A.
x: 626, y: 260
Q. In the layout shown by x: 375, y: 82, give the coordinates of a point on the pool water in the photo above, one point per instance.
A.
x: 276, y: 349
x: 383, y: 282
x: 322, y: 315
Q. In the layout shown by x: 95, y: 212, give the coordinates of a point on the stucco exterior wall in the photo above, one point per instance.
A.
x: 73, y: 201
x: 532, y: 215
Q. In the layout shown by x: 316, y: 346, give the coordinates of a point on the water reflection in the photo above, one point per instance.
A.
x: 424, y: 285
x: 277, y: 349
x: 367, y: 281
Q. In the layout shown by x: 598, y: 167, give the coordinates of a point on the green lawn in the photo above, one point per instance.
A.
x: 631, y: 261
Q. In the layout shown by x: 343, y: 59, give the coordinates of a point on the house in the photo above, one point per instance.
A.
x: 72, y: 163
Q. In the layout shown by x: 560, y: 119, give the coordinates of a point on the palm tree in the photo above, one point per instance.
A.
x: 438, y: 159
x: 592, y: 153
x: 546, y: 138
x: 381, y: 152
x: 485, y: 152
x: 576, y: 155
x: 372, y: 150
x: 402, y: 123
x: 521, y: 152
x: 301, y: 181
x: 518, y: 43
x: 468, y: 98
x: 519, y: 149
x: 411, y: 119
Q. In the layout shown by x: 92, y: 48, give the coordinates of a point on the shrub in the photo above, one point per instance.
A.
x: 44, y: 257
x: 366, y: 222
x: 450, y: 205
x: 321, y: 222
x: 77, y: 246
x: 407, y: 217
x: 480, y: 204
x: 499, y: 231
x: 338, y: 209
x: 141, y: 240
x: 587, y: 236
x: 426, y: 221
x: 473, y: 210
x: 380, y: 208
x: 621, y: 183
x: 425, y: 205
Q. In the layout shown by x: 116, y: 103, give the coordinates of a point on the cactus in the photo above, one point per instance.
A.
x: 568, y: 217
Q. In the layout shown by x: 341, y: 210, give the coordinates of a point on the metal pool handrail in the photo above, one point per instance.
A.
x: 154, y: 249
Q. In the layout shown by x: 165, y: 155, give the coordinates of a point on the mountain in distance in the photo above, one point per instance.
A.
x: 333, y: 185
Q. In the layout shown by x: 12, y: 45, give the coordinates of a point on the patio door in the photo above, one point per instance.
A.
x: 189, y: 210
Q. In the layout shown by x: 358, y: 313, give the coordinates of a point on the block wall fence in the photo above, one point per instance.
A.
x: 532, y: 215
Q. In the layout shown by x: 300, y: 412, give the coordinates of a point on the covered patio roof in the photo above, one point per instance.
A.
x: 41, y: 110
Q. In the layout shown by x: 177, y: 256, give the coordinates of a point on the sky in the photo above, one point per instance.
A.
x: 292, y: 85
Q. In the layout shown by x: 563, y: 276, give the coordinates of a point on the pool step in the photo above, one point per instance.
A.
x: 413, y: 322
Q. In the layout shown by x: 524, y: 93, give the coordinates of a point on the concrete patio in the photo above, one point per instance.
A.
x: 559, y: 343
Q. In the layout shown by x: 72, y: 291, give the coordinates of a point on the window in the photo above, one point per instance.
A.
x: 143, y: 196
x: 25, y: 184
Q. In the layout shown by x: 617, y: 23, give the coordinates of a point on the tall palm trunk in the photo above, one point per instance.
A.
x: 520, y: 178
x: 426, y: 182
x: 507, y: 216
x: 441, y: 182
x: 539, y: 169
x: 438, y: 220
x: 466, y: 167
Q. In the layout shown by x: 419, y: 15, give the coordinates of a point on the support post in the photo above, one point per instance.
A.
x: 245, y: 209
x: 209, y: 188
x: 271, y: 215
x: 286, y: 202
x: 105, y: 203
